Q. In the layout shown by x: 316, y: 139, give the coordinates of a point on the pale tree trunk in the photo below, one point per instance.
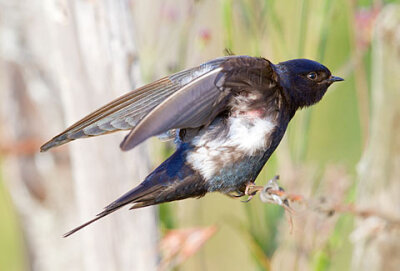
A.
x: 377, y: 242
x: 60, y: 60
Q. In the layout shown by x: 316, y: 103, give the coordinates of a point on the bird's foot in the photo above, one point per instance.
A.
x: 251, y: 190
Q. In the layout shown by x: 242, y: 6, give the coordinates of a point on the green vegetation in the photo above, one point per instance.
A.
x: 328, y: 133
x: 11, y: 256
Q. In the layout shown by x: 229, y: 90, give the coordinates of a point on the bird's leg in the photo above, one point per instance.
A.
x: 251, y: 190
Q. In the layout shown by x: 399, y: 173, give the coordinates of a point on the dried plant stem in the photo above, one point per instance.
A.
x: 272, y: 193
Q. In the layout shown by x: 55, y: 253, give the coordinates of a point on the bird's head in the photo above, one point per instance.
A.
x: 305, y: 81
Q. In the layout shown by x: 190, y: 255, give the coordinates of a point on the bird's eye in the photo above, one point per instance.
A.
x: 312, y: 76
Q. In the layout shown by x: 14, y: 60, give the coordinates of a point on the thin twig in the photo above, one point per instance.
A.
x: 272, y: 193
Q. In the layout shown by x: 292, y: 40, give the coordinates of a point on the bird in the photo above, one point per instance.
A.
x: 226, y: 117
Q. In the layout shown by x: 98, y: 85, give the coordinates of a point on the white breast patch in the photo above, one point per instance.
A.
x: 246, y: 136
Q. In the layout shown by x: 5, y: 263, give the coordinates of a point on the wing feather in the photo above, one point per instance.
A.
x: 188, y: 99
x: 126, y: 112
x: 190, y: 107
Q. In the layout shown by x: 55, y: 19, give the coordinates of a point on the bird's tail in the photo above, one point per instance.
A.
x: 172, y: 180
x: 133, y: 196
x: 100, y: 215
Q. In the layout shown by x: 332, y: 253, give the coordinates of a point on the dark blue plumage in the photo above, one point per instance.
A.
x: 227, y: 117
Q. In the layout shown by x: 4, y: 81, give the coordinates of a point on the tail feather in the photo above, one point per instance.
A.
x: 100, y: 215
x: 172, y: 180
x: 133, y: 196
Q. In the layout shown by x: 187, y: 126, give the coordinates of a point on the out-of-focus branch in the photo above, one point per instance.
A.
x: 274, y: 194
x: 29, y: 146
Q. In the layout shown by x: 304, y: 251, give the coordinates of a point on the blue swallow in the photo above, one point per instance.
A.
x: 227, y: 117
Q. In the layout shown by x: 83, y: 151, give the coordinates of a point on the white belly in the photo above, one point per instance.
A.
x: 246, y: 136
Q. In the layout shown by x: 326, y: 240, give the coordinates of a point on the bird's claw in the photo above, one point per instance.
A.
x: 248, y: 198
x: 251, y: 190
x: 270, y: 193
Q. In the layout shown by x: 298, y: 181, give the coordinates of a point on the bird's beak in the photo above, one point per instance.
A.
x: 333, y: 79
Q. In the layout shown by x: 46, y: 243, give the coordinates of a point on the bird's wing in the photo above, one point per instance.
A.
x: 188, y: 99
x: 125, y: 112
x: 202, y: 99
x: 192, y: 106
x: 248, y: 74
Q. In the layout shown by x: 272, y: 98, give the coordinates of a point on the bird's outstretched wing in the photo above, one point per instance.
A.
x: 188, y: 99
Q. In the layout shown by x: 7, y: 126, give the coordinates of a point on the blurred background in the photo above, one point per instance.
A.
x: 60, y: 60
